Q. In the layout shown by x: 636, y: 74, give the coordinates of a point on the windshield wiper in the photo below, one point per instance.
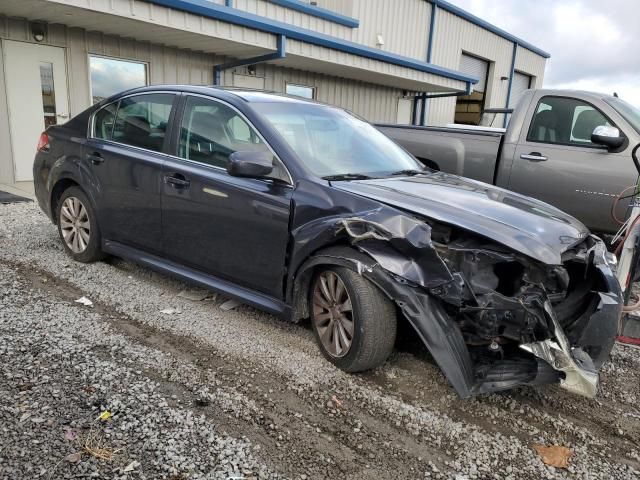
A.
x: 409, y: 172
x: 347, y: 176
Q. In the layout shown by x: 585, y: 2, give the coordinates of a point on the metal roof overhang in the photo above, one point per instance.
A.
x: 209, y: 27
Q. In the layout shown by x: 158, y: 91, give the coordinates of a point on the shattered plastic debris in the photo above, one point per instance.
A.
x: 554, y: 455
x: 131, y: 467
x: 106, y: 415
x: 194, y: 295
x: 230, y: 304
x: 85, y: 301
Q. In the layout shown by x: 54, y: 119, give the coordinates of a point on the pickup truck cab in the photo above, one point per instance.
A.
x: 550, y: 150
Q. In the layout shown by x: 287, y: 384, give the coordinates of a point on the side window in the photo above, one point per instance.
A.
x: 141, y: 121
x: 566, y: 121
x: 211, y: 132
x: 103, y: 122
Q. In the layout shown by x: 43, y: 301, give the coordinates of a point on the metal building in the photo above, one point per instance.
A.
x: 383, y: 59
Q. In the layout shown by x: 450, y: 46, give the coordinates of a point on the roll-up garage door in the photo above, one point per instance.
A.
x: 521, y: 82
x: 476, y: 67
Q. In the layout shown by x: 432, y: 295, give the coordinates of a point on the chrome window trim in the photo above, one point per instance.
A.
x: 91, y: 132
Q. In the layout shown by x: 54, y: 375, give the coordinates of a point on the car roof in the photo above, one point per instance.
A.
x: 248, y: 95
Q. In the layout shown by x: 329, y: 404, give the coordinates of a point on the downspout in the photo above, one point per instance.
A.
x: 280, y: 53
x: 513, y: 70
x: 228, y: 3
x: 432, y: 27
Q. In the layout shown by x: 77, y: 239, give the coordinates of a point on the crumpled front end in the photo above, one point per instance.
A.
x: 492, y: 318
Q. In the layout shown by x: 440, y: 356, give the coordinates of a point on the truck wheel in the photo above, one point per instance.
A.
x: 354, y: 323
x: 78, y: 226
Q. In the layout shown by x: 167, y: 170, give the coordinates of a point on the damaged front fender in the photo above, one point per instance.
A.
x: 492, y: 318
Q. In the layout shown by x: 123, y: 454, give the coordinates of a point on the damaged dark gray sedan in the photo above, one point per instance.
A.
x: 306, y: 211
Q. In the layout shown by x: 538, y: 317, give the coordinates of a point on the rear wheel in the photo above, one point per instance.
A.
x: 78, y: 226
x: 353, y: 322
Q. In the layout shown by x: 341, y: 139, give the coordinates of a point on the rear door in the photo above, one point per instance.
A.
x: 234, y: 228
x: 125, y: 154
x: 556, y: 162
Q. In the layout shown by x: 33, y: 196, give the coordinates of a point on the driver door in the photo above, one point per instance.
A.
x: 556, y: 162
x: 234, y: 228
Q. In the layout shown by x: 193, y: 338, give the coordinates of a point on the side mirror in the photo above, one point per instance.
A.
x: 607, y: 136
x: 250, y: 164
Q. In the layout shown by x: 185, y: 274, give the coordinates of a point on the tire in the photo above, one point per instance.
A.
x: 78, y: 226
x: 372, y: 315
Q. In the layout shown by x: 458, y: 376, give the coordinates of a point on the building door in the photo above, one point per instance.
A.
x: 521, y: 82
x: 469, y: 107
x: 36, y: 81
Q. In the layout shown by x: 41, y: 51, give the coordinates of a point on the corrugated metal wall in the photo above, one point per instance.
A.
x: 404, y: 24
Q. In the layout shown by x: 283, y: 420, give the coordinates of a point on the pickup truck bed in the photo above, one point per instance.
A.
x: 468, y: 153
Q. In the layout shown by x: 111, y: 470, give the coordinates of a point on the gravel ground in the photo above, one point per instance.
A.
x: 196, y: 391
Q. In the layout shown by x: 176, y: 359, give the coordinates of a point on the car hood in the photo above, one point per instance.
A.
x: 524, y: 224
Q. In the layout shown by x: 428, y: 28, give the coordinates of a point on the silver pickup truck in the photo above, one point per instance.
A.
x: 571, y: 149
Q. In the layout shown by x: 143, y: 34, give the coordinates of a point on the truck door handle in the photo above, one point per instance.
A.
x: 176, y: 180
x: 95, y: 158
x: 534, y: 157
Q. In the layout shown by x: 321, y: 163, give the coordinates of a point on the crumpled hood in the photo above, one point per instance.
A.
x: 524, y: 224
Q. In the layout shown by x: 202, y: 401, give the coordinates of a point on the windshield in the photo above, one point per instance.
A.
x: 629, y: 112
x: 332, y: 143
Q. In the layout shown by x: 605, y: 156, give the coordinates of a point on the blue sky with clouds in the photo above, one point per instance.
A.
x: 594, y: 45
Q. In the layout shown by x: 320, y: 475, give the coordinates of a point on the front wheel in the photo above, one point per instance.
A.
x: 353, y: 321
x: 78, y: 226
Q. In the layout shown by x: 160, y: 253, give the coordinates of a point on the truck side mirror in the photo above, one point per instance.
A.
x: 608, y: 137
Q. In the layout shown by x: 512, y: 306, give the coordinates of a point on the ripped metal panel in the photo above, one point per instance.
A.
x: 580, y: 374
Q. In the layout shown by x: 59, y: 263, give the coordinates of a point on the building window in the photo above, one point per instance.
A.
x: 301, y: 91
x: 110, y: 76
x: 469, y: 107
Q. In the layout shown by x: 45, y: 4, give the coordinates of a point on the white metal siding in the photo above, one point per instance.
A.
x: 403, y: 24
x: 531, y: 64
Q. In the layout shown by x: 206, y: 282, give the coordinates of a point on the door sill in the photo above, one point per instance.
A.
x: 242, y: 294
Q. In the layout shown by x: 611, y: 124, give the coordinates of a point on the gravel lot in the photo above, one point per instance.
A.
x: 196, y: 391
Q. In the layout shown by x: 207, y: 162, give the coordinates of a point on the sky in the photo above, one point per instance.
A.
x: 594, y: 45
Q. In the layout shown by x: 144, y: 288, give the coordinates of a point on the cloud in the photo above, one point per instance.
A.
x: 593, y: 45
x: 109, y: 76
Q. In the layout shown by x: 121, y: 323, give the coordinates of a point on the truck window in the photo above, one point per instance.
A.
x: 565, y: 121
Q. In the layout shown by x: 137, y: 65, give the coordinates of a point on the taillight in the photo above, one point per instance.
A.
x: 43, y: 143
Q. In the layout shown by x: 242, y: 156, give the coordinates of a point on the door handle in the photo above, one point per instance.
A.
x: 63, y: 115
x: 534, y: 157
x: 177, y: 180
x: 95, y: 158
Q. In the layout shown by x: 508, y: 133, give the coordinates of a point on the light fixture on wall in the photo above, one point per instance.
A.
x: 379, y: 40
x: 38, y: 31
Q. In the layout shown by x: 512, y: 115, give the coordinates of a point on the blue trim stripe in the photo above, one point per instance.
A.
x: 513, y: 71
x: 487, y: 26
x: 432, y: 28
x: 318, y: 12
x: 245, y: 19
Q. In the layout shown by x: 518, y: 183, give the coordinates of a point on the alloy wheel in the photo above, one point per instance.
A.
x: 74, y: 224
x: 333, y: 314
